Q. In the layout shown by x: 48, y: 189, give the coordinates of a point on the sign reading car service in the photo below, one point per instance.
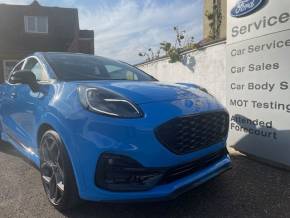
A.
x: 258, y: 77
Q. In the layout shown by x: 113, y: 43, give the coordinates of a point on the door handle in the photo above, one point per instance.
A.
x: 13, y: 95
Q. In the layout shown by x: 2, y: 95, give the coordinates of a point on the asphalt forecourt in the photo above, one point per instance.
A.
x: 250, y: 189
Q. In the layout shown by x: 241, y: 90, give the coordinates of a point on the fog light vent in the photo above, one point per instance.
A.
x: 121, y: 173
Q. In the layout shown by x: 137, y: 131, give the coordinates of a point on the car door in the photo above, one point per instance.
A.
x: 28, y: 104
x: 8, y: 124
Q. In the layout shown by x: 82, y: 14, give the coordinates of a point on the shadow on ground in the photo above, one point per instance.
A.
x: 250, y: 189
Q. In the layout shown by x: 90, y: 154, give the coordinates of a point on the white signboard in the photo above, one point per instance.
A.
x: 258, y: 77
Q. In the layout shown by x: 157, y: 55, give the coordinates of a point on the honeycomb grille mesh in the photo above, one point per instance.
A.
x: 190, y: 133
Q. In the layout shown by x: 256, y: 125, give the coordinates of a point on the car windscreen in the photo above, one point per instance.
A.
x: 73, y: 67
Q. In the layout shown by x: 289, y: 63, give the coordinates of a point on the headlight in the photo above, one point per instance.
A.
x: 109, y: 103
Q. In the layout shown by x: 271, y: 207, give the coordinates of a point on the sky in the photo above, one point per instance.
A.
x: 123, y: 28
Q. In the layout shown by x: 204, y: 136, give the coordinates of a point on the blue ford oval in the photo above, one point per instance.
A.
x: 246, y: 7
x: 103, y: 130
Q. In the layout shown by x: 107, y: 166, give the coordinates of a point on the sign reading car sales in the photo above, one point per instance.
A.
x: 258, y: 78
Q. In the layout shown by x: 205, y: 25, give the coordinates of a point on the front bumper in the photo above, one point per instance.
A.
x: 166, y: 191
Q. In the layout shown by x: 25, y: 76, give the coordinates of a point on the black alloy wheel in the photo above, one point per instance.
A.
x: 56, y: 172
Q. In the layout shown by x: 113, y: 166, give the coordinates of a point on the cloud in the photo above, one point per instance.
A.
x: 123, y: 28
x: 126, y: 28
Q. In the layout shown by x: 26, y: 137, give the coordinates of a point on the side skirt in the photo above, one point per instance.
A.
x: 23, y: 149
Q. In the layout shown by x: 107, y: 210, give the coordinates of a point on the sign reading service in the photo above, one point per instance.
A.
x: 258, y: 77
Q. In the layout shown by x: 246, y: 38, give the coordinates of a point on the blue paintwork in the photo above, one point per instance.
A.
x: 246, y: 7
x: 86, y: 135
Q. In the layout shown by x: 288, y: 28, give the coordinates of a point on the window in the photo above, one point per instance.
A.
x: 35, y: 67
x: 18, y: 66
x: 73, y: 67
x: 7, y: 67
x: 119, y: 73
x: 36, y: 24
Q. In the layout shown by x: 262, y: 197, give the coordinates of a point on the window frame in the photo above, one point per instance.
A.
x: 24, y: 61
x: 36, y: 31
x: 41, y: 65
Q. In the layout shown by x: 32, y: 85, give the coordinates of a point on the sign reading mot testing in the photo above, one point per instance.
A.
x: 258, y: 78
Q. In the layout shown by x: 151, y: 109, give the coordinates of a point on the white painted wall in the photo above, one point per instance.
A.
x: 205, y: 67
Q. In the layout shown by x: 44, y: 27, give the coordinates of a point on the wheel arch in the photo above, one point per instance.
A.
x: 41, y: 130
x: 50, y: 122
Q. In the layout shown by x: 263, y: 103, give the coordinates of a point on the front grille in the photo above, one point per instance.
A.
x: 187, y: 169
x: 191, y: 133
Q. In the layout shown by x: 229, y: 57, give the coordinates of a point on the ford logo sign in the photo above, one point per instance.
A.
x: 246, y: 7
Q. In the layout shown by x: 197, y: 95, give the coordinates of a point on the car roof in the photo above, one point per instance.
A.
x: 43, y: 54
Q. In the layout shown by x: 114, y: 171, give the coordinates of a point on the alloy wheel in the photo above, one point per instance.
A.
x: 52, y: 172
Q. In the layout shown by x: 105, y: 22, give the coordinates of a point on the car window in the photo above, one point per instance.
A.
x: 118, y: 73
x: 35, y: 67
x: 18, y: 66
x: 72, y: 67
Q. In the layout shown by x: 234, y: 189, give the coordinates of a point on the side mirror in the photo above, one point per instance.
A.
x: 24, y: 77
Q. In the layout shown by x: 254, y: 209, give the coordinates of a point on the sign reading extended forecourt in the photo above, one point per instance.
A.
x: 258, y: 78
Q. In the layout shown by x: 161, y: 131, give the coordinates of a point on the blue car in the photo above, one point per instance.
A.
x: 103, y: 130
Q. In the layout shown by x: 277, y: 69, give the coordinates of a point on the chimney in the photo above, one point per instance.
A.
x: 35, y: 3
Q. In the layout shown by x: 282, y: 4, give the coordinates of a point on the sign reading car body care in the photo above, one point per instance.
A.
x: 258, y: 77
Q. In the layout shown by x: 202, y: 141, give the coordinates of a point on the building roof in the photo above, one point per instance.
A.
x: 34, y: 4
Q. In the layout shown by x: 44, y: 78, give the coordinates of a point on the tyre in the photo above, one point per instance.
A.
x: 56, y: 172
